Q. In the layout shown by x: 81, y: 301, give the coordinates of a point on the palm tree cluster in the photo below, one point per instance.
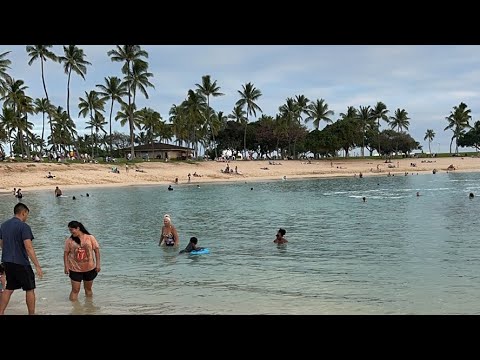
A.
x: 193, y: 122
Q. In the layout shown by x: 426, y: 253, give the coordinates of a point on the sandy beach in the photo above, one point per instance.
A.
x: 33, y: 176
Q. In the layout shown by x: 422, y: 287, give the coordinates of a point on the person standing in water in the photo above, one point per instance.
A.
x: 16, y: 244
x: 58, y: 192
x: 81, y: 259
x: 169, y: 235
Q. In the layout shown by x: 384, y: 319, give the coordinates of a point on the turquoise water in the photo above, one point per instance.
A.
x: 394, y: 254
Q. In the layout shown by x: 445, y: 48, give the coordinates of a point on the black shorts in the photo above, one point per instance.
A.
x: 19, y: 276
x: 85, y: 276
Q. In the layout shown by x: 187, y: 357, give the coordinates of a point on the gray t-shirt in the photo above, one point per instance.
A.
x: 13, y: 232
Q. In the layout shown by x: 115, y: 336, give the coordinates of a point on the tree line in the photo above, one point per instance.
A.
x: 194, y: 122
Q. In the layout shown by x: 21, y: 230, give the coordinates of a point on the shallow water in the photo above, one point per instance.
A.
x: 394, y: 254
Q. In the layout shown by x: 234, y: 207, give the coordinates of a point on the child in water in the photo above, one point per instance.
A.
x: 192, y: 246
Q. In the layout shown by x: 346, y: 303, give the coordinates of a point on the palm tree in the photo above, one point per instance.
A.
x: 151, y: 121
x: 7, y: 120
x: 248, y: 96
x: 74, y: 60
x: 207, y: 88
x: 317, y: 112
x: 380, y: 112
x: 43, y: 53
x: 430, y: 134
x: 92, y: 105
x: 113, y: 89
x: 365, y: 115
x: 97, y: 123
x: 43, y: 106
x: 138, y: 79
x: 4, y: 65
x: 130, y: 55
x: 458, y: 120
x: 399, y: 121
x: 194, y: 108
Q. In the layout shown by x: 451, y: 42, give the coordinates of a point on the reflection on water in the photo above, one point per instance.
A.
x: 85, y: 306
x: 396, y: 253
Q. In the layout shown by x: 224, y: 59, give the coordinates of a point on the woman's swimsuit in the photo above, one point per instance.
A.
x: 169, y: 239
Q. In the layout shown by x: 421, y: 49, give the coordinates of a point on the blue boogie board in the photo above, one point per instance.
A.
x: 200, y: 252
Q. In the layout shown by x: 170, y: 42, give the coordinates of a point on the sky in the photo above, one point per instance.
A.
x: 425, y: 80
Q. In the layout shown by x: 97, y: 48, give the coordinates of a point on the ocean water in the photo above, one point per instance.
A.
x: 396, y: 253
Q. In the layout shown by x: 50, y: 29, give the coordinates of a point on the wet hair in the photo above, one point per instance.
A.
x: 194, y: 240
x: 2, y: 268
x: 19, y: 208
x: 77, y: 225
x: 471, y: 195
x: 282, y: 231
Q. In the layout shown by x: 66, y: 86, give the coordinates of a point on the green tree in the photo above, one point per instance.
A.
x: 132, y: 56
x: 207, y: 89
x: 458, y: 121
x: 429, y: 135
x: 113, y: 89
x: 248, y: 97
x: 74, y: 60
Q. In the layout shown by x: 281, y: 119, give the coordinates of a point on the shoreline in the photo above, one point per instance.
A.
x: 71, y: 176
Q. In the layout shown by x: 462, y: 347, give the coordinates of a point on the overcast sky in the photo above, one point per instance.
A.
x: 425, y: 80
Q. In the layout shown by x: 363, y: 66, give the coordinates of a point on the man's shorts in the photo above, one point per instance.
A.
x: 19, y: 276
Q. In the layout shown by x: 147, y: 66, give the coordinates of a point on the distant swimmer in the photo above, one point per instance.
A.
x: 170, y: 188
x: 418, y: 193
x: 19, y: 194
x: 88, y: 194
x: 364, y: 199
x: 284, y: 177
x: 58, y: 192
x: 280, y: 237
x: 471, y: 195
x: 74, y: 198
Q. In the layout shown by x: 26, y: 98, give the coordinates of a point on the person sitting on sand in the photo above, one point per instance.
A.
x: 50, y: 176
x: 280, y: 239
x: 58, y: 192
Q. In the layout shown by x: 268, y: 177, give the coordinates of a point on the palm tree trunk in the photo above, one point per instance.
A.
x: 111, y: 110
x: 451, y: 142
x: 363, y: 139
x: 429, y: 147
x: 68, y: 93
x: 378, y: 137
x: 46, y: 94
x: 43, y: 132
